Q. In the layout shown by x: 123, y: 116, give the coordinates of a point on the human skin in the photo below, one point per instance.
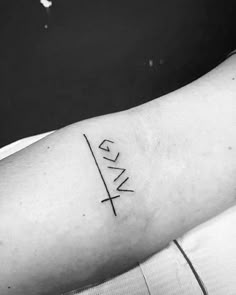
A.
x: 179, y: 152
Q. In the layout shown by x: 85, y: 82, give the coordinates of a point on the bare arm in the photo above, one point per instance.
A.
x: 94, y: 198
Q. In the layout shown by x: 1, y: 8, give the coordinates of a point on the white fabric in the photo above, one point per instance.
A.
x: 20, y: 144
x: 211, y: 247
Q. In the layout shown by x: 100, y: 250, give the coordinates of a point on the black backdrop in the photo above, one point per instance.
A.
x: 102, y: 56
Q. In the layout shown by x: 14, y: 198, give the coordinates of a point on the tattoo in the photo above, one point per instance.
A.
x: 100, y: 172
x: 117, y: 168
x: 101, y: 146
x: 112, y: 160
x: 124, y: 190
x: 107, y: 146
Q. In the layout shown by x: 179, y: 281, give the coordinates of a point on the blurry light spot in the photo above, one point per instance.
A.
x: 46, y: 3
x: 150, y: 62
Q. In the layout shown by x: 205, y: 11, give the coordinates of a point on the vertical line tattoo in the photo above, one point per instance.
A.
x: 100, y: 172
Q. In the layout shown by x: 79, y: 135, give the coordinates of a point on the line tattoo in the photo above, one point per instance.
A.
x: 117, y: 168
x: 112, y: 160
x: 106, y: 145
x: 110, y: 198
x: 101, y: 146
x: 102, y: 177
x: 123, y: 190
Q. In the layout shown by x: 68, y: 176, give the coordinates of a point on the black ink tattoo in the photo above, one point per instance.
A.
x: 107, y: 149
x: 105, y: 146
x: 117, y: 168
x: 100, y: 172
x: 112, y: 160
x: 101, y: 146
x: 108, y: 199
x: 123, y: 190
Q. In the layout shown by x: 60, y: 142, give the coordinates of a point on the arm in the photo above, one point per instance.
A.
x: 75, y: 209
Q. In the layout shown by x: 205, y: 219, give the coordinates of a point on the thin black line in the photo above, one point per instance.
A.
x: 100, y: 172
x: 123, y: 190
x: 105, y: 149
x: 110, y: 199
x: 200, y: 282
x: 144, y: 279
x: 111, y: 159
x: 117, y: 168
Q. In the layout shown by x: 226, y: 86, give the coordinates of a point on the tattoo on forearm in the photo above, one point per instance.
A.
x: 107, y: 147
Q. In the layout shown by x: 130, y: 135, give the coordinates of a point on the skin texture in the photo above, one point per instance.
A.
x: 179, y: 153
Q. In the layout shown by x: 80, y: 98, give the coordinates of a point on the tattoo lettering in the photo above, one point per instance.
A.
x: 117, y: 168
x: 112, y: 160
x: 107, y: 146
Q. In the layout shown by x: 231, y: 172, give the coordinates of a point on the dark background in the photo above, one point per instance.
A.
x: 100, y: 56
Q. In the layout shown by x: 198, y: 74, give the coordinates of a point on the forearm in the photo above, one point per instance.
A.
x: 54, y: 224
x: 58, y: 232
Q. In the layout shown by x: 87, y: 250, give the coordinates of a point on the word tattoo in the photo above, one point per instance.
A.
x: 108, y: 149
x: 121, y: 185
